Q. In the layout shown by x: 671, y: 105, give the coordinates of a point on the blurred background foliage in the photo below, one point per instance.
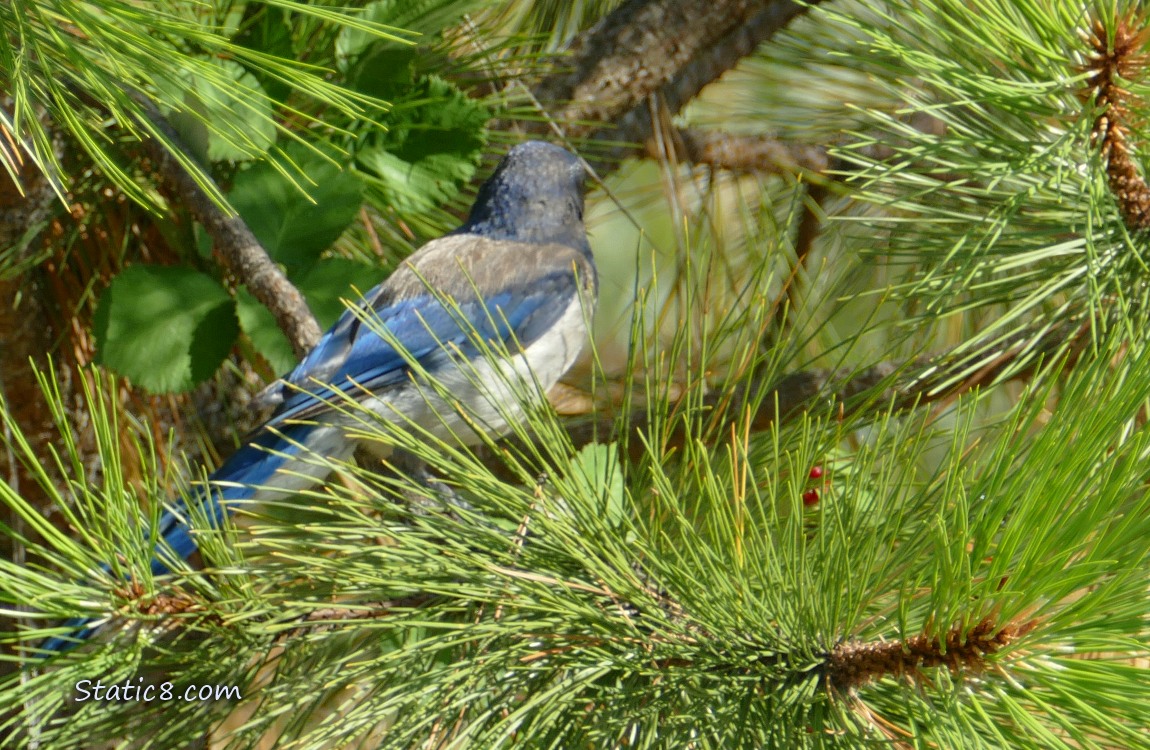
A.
x: 962, y: 235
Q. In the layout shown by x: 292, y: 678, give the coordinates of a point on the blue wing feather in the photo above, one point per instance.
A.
x: 428, y: 329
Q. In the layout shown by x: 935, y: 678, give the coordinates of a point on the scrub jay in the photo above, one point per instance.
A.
x: 518, y: 274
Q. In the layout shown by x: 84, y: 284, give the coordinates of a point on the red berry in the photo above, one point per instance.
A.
x: 816, y: 472
x: 810, y: 497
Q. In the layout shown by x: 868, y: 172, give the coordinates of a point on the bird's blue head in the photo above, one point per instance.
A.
x: 534, y: 195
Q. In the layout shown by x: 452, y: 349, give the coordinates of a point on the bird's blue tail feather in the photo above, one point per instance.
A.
x: 251, y: 467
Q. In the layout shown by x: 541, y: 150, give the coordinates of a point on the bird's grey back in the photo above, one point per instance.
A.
x: 460, y: 265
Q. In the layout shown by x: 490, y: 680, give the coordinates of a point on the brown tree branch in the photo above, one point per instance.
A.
x: 670, y: 50
x: 710, y: 65
x: 625, y: 63
x: 632, y: 53
x: 239, y: 248
x: 668, y: 47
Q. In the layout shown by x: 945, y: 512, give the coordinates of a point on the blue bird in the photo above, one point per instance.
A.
x: 519, y: 273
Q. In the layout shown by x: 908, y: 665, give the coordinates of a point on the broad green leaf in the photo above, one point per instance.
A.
x: 166, y: 328
x: 432, y: 147
x: 386, y: 72
x: 227, y: 116
x: 333, y: 280
x: 295, y: 228
x: 260, y: 326
x: 596, y: 466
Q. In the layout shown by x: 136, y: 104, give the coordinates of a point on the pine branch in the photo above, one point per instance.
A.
x: 853, y: 664
x: 1114, y: 60
x: 670, y: 49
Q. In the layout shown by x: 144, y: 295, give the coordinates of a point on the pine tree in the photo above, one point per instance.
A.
x: 856, y: 457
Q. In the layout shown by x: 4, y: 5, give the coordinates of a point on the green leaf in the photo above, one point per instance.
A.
x: 432, y: 147
x: 166, y: 328
x: 265, y: 334
x: 227, y: 114
x: 596, y: 467
x: 295, y: 228
x: 386, y: 71
x: 333, y: 280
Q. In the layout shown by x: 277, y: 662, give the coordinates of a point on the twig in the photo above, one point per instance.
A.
x: 745, y: 153
x: 328, y: 617
x: 808, y: 231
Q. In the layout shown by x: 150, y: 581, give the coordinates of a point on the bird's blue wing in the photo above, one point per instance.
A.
x: 353, y: 361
